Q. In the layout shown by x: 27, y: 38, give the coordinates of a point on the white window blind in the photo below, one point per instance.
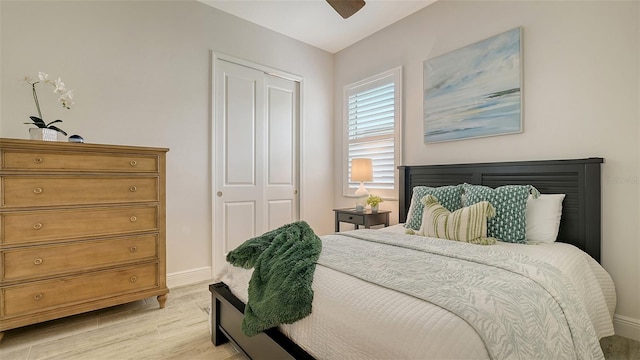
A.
x: 372, y: 120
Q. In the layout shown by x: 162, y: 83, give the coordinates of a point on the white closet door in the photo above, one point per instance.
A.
x: 255, y: 155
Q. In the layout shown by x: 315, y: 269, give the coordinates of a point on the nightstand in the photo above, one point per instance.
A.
x: 357, y: 218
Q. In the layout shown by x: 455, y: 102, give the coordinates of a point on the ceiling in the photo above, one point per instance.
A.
x: 316, y: 23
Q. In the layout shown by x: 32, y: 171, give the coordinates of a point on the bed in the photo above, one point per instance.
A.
x: 403, y: 326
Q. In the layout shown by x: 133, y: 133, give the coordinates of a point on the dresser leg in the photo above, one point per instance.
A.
x: 1, y: 335
x: 162, y: 299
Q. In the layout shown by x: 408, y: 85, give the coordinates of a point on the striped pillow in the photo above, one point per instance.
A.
x: 468, y: 224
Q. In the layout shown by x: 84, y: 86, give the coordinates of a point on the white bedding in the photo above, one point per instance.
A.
x: 354, y: 319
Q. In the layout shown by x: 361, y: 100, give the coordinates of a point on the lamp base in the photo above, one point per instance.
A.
x: 361, y: 197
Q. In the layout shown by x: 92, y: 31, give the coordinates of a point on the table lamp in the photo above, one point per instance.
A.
x: 361, y: 170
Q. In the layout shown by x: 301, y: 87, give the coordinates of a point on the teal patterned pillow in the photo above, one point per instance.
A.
x: 510, y: 201
x: 448, y: 196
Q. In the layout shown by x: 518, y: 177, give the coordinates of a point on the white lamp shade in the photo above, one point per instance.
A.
x: 361, y: 169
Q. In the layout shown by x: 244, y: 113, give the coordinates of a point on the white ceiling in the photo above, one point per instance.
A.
x: 316, y: 23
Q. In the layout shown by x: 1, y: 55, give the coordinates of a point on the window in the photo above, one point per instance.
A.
x: 372, y: 130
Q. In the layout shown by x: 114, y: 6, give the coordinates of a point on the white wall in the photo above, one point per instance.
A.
x: 581, y: 99
x: 141, y: 74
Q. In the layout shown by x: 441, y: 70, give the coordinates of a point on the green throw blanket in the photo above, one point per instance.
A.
x: 280, y: 287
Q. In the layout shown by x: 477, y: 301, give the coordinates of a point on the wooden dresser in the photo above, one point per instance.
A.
x: 82, y: 227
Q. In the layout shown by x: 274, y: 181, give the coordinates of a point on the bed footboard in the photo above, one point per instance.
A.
x: 226, y: 320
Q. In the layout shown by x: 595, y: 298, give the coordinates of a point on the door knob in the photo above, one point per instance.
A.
x: 219, y: 193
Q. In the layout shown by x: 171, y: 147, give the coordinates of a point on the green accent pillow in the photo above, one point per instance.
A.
x: 450, y: 197
x: 510, y: 201
x: 468, y: 224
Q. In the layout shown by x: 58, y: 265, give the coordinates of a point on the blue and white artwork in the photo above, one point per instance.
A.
x: 474, y: 91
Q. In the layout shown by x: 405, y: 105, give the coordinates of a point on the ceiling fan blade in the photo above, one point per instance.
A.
x: 346, y: 8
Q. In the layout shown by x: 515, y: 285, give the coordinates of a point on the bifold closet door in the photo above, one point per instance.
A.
x: 256, y: 155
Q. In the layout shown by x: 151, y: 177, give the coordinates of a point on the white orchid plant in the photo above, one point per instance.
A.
x: 65, y: 97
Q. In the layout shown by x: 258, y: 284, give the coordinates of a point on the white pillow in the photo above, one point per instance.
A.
x: 543, y: 217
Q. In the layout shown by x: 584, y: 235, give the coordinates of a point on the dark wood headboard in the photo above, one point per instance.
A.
x: 579, y: 179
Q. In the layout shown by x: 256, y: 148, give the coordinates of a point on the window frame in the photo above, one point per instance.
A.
x: 390, y: 76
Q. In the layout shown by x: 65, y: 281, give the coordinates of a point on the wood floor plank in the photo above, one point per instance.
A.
x: 137, y: 330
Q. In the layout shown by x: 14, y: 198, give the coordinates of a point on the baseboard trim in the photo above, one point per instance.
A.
x: 189, y: 277
x: 627, y: 327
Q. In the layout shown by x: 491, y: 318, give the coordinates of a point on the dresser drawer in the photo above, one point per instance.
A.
x: 43, y: 295
x: 18, y: 160
x: 40, y: 261
x: 59, y: 225
x: 354, y: 219
x: 27, y: 191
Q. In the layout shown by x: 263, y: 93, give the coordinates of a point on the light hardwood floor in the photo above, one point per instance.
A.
x: 138, y: 330
x: 141, y: 331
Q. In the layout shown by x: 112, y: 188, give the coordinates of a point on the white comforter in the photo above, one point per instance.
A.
x: 354, y: 319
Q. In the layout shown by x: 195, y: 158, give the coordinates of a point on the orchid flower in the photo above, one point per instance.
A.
x: 66, y: 99
x: 59, y: 86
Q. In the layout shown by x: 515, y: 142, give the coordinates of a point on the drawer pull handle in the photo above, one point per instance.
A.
x: 37, y: 226
x: 133, y: 218
x: 38, y: 297
x: 133, y: 279
x: 133, y: 188
x: 37, y: 261
x: 133, y: 163
x: 133, y: 249
x: 37, y: 190
x: 38, y: 160
x: 350, y: 217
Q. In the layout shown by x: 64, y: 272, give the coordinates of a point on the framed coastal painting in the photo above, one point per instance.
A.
x: 475, y: 91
